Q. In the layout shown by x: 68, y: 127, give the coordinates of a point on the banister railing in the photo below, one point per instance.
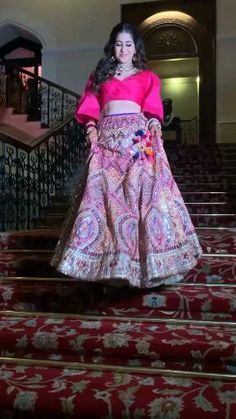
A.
x: 31, y: 175
x: 185, y: 131
x: 190, y: 130
x: 36, y: 96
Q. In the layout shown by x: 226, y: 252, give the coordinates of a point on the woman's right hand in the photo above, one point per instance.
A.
x: 93, y: 135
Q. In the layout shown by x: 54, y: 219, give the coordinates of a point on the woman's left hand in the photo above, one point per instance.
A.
x: 155, y: 131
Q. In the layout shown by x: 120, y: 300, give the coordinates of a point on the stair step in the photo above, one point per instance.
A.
x: 213, y: 168
x: 18, y: 127
x: 66, y: 295
x: 18, y: 118
x: 209, y: 207
x: 197, y: 345
x: 52, y: 220
x: 23, y: 264
x: 174, y: 302
x: 30, y: 239
x: 58, y: 208
x: 214, y: 177
x: 87, y: 391
x: 213, y: 269
x: 209, y: 197
x: 16, y: 133
x: 209, y: 165
x: 26, y: 136
x: 206, y: 187
x: 226, y: 220
x: 223, y: 241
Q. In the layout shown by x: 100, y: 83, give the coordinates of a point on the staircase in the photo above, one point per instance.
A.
x: 74, y: 350
x: 18, y: 126
x: 31, y: 105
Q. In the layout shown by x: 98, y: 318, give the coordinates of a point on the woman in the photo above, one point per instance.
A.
x: 130, y: 224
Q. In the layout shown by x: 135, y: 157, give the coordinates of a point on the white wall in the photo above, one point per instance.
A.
x: 179, y: 82
x: 73, y: 33
x: 70, y: 67
x: 226, y: 73
x: 184, y: 93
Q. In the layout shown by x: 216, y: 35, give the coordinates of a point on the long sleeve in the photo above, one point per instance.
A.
x: 152, y: 104
x: 88, y: 106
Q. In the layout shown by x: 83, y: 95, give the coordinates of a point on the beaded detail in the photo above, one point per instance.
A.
x: 124, y: 68
x: 128, y: 222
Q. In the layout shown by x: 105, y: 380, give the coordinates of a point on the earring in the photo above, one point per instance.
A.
x: 112, y: 58
x: 134, y: 58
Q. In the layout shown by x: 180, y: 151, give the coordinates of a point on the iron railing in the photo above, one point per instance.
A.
x: 35, y: 96
x: 190, y: 131
x: 30, y: 176
x: 185, y: 132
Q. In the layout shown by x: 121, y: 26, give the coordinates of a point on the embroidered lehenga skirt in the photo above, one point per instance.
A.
x: 128, y: 222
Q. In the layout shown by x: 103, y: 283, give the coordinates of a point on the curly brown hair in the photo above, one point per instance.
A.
x: 106, y: 67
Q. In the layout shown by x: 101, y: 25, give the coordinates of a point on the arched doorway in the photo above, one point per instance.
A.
x: 19, y: 46
x: 172, y: 40
x: 180, y: 38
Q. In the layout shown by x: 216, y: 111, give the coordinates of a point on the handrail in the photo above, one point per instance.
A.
x: 5, y: 138
x: 42, y: 100
x: 42, y: 79
x: 52, y: 131
x: 195, y: 118
x: 186, y: 130
x: 31, y: 175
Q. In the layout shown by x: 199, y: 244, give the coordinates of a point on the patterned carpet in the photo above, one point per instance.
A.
x: 74, y: 350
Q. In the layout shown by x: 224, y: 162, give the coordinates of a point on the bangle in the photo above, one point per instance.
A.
x: 154, y: 121
x: 90, y: 124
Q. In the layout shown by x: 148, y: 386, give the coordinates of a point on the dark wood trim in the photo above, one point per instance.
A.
x: 21, y: 42
x: 22, y: 62
x: 42, y: 79
x: 16, y: 141
x: 204, y: 11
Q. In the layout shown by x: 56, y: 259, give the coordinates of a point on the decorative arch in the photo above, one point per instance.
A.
x: 21, y: 45
x: 172, y: 17
x: 172, y: 32
x: 20, y: 30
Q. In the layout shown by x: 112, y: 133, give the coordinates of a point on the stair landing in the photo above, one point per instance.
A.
x: 17, y: 126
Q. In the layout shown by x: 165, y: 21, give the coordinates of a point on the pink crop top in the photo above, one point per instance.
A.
x: 142, y: 88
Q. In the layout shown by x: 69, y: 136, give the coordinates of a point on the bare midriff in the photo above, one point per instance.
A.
x: 120, y: 106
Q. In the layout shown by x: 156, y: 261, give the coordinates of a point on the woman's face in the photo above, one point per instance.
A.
x: 124, y: 48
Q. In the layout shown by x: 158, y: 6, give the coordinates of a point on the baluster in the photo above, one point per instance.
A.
x: 17, y: 189
x: 3, y: 176
x: 28, y: 192
x: 48, y: 107
x: 62, y: 106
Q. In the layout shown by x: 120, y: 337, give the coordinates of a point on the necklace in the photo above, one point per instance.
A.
x: 122, y: 69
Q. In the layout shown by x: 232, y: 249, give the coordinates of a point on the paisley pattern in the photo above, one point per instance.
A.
x: 130, y: 222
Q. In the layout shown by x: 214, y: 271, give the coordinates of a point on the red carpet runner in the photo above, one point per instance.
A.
x: 71, y: 350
